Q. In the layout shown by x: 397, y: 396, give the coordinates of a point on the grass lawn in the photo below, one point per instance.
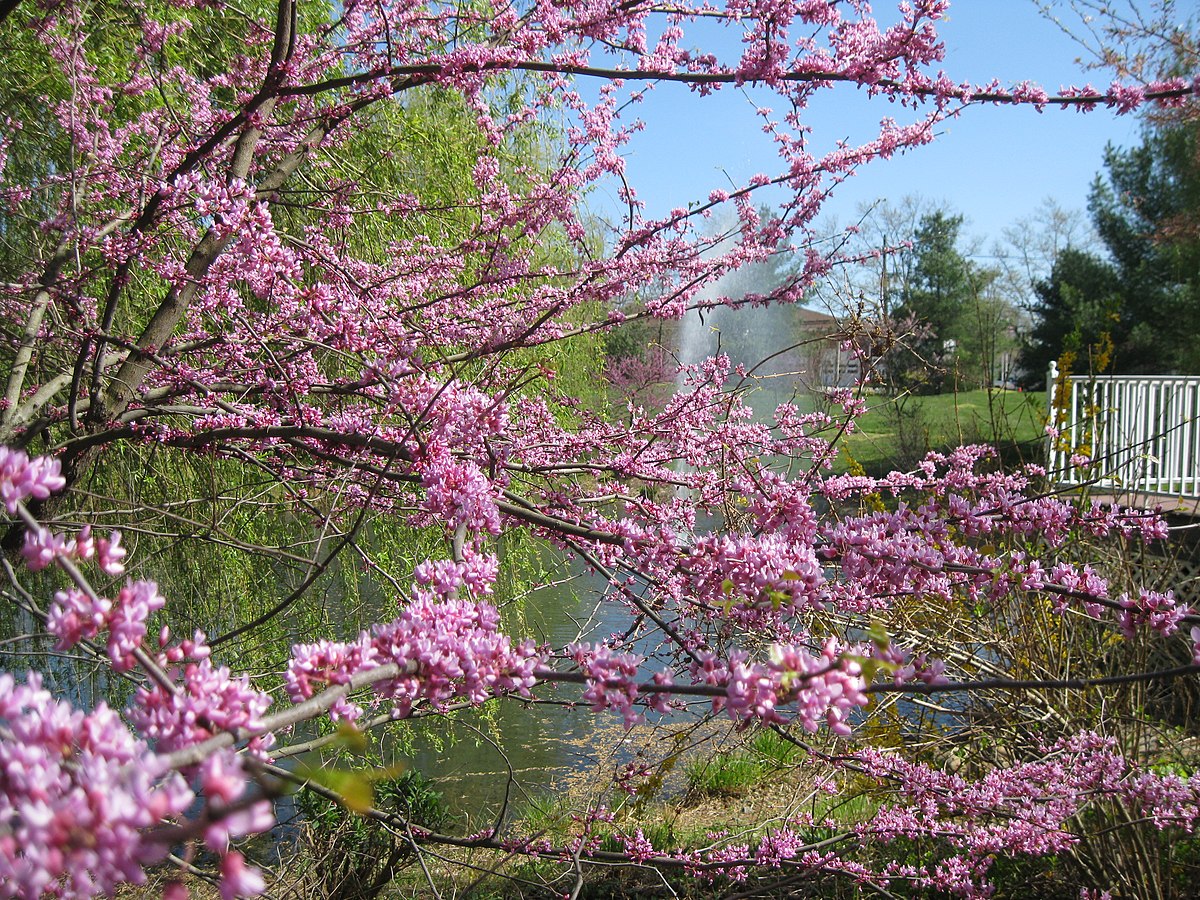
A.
x: 896, y: 432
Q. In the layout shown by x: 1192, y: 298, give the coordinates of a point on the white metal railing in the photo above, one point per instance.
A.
x: 1140, y: 433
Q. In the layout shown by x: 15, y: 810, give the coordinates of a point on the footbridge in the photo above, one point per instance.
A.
x: 1134, y: 438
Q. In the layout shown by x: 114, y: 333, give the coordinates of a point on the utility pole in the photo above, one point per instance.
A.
x: 883, y: 283
x: 885, y: 324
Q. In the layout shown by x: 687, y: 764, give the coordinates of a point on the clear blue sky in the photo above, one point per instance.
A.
x: 993, y: 164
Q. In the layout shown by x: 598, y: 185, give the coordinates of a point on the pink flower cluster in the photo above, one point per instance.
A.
x: 1029, y: 808
x: 824, y: 688
x: 444, y: 578
x: 611, y: 679
x: 1151, y: 609
x: 77, y: 613
x: 458, y: 493
x: 78, y: 793
x: 74, y: 615
x: 445, y: 650
x: 42, y: 547
x: 767, y: 573
x: 209, y: 700
x: 828, y: 686
x: 81, y: 796
x: 905, y: 667
x: 22, y: 477
x: 1083, y: 584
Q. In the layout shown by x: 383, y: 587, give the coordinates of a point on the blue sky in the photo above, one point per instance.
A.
x: 993, y: 164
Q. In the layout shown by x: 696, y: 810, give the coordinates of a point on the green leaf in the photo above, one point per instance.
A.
x: 871, y: 666
x: 354, y: 789
x: 878, y: 635
x: 351, y: 738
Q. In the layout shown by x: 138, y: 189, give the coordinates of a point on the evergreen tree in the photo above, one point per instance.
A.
x: 1146, y: 212
x: 1077, y: 306
x: 934, y: 299
x: 1146, y: 209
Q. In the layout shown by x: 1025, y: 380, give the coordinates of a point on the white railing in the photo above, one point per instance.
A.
x: 1140, y: 433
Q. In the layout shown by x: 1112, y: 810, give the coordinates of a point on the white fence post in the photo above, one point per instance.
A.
x: 1051, y: 418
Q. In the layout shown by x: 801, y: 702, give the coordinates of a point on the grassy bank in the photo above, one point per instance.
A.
x: 896, y: 432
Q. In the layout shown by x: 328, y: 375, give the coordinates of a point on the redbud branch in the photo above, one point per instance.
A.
x: 637, y: 601
x: 299, y: 712
x: 651, y: 687
x: 1048, y: 587
x: 437, y: 70
x: 492, y: 843
x: 1006, y: 684
x: 30, y: 606
x: 152, y: 669
x: 380, y: 446
x: 366, y: 725
x: 321, y: 702
x: 519, y: 508
x: 177, y: 833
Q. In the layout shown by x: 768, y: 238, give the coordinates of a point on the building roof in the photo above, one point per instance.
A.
x: 812, y: 317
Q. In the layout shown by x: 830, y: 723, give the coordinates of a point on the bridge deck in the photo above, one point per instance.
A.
x: 1188, y: 507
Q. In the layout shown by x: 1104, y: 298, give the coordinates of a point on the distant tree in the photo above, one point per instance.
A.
x: 937, y: 297
x: 1030, y: 247
x: 1147, y: 212
x: 1145, y: 208
x: 1076, y: 306
x: 879, y: 245
x: 1146, y: 296
x: 988, y: 324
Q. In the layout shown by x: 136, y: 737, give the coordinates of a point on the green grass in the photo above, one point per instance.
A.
x: 844, y: 812
x: 773, y: 750
x: 733, y: 773
x: 725, y: 774
x: 895, y: 433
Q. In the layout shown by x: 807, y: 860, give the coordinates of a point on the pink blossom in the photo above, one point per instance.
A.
x: 110, y: 553
x: 611, y: 679
x: 239, y: 879
x: 1153, y: 609
x: 127, y: 621
x: 446, y: 650
x: 227, y: 825
x: 458, y: 494
x: 210, y: 700
x: 22, y: 477
x: 78, y: 792
x: 74, y: 617
x: 41, y: 547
